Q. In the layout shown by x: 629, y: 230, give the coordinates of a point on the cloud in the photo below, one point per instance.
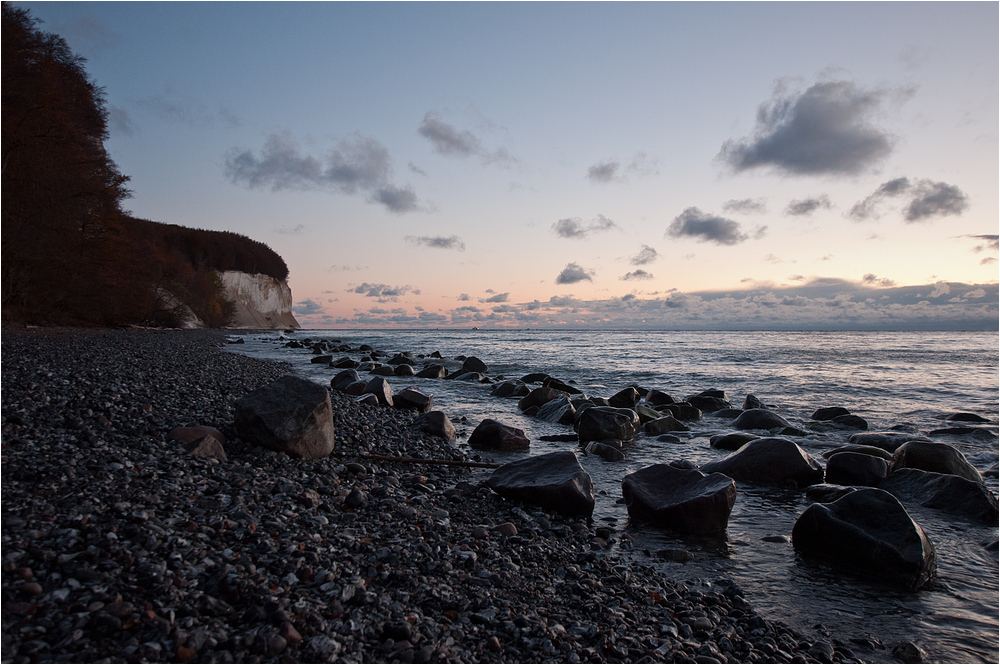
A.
x: 803, y: 207
x: 574, y: 227
x: 119, y: 121
x: 448, y: 140
x: 340, y: 268
x: 574, y: 273
x: 611, y: 170
x: 990, y: 242
x: 499, y: 297
x: 438, y: 242
x: 874, y: 280
x: 358, y: 164
x: 294, y: 231
x: 188, y: 110
x: 745, y: 206
x: 636, y: 274
x: 416, y: 169
x: 645, y: 256
x: 464, y: 297
x: 825, y: 130
x: 384, y: 292
x: 927, y: 199
x: 703, y: 227
x: 307, y: 307
x: 87, y: 35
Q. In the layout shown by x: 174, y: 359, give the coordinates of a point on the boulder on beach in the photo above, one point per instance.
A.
x: 538, y: 397
x: 321, y: 360
x: 560, y: 411
x: 943, y: 491
x: 290, y: 415
x: 606, y: 422
x: 850, y: 421
x: 664, y: 425
x: 379, y: 387
x: 682, y: 411
x: 411, y: 398
x: 856, y: 469
x: 647, y: 413
x: 769, y: 460
x: 760, y: 419
x: 683, y: 499
x: 625, y: 399
x: 344, y: 378
x: 936, y: 457
x: 731, y: 440
x: 610, y: 451
x: 432, y: 372
x: 885, y: 440
x: 474, y: 364
x: 345, y: 363
x: 493, y: 435
x: 207, y: 446
x: 401, y: 359
x: 436, y: 423
x: 555, y: 482
x: 534, y: 377
x: 193, y: 433
x: 868, y: 529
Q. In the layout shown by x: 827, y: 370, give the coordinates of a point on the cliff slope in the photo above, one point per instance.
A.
x: 260, y: 301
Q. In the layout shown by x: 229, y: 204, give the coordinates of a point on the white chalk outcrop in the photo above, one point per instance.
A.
x: 261, y: 300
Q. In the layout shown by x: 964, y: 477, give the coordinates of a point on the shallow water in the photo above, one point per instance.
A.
x: 889, y: 379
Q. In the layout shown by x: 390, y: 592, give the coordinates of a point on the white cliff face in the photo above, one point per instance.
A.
x: 261, y: 301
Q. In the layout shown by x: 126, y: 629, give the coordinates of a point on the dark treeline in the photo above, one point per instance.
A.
x: 70, y: 254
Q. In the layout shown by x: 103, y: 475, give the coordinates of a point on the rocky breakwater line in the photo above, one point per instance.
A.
x: 126, y: 539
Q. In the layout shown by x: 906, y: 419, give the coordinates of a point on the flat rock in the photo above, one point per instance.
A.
x: 683, y: 499
x: 554, y: 481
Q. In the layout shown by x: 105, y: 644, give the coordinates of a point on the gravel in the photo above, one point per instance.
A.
x: 118, y: 546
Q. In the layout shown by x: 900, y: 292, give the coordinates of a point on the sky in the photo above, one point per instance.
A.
x: 610, y: 165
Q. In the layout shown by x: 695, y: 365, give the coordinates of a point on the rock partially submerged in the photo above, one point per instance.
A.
x: 760, y: 419
x: 936, y: 457
x: 942, y: 491
x: 290, y: 415
x: 607, y: 422
x: 493, y: 435
x: 870, y: 530
x: 768, y: 461
x: 683, y: 499
x: 856, y: 469
x: 555, y: 482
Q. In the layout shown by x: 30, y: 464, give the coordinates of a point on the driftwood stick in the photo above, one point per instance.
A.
x: 415, y: 460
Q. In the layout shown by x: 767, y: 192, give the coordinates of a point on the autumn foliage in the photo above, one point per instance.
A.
x: 70, y: 255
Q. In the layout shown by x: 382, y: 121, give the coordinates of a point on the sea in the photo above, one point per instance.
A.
x: 913, y: 379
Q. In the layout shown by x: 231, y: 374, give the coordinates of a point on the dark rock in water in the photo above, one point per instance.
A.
x: 606, y: 451
x: 494, y: 435
x: 937, y: 457
x: 345, y: 363
x: 769, y: 460
x: 856, y: 469
x: 885, y: 440
x: 857, y: 448
x: 731, y: 441
x: 967, y: 418
x: 868, y: 529
x: 974, y: 432
x: 404, y: 370
x: 852, y: 421
x: 606, y: 422
x: 510, y: 389
x: 825, y: 493
x: 760, y: 419
x: 728, y: 414
x: 474, y: 377
x: 829, y: 413
x: 401, y: 359
x: 535, y: 377
x: 647, y: 413
x: 682, y: 411
x: 945, y: 492
x: 436, y: 423
x: 658, y: 398
x: 550, y: 382
x: 751, y: 402
x: 434, y: 354
x: 683, y: 499
x: 538, y: 397
x: 321, y: 360
x: 993, y: 471
x: 709, y: 401
x: 669, y: 438
x: 474, y: 364
x: 908, y: 652
x: 555, y: 482
x: 677, y: 555
x: 379, y: 387
x: 663, y: 425
x: 432, y: 372
x: 559, y: 437
x: 560, y: 411
x: 383, y: 370
x: 624, y: 399
x: 289, y: 415
x: 411, y: 398
x: 191, y: 434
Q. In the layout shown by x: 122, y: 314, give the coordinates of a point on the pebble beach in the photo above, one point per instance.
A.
x: 120, y: 546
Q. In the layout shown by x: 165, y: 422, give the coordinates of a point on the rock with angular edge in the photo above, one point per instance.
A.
x: 436, y: 423
x: 936, y: 457
x: 538, y: 397
x: 207, y: 446
x: 560, y: 411
x: 290, y: 415
x: 555, y: 482
x: 710, y: 401
x: 760, y: 419
x: 858, y: 448
x: 381, y: 389
x: 856, y: 469
x: 191, y: 434
x: 494, y: 435
x: 682, y: 411
x: 868, y: 529
x: 625, y: 399
x: 610, y: 451
x: 606, y: 422
x: 411, y: 398
x: 683, y: 499
x: 943, y: 491
x: 510, y: 389
x: 433, y: 372
x: 829, y: 413
x: 889, y: 441
x: 474, y: 364
x: 731, y: 440
x: 769, y: 460
x: 663, y: 425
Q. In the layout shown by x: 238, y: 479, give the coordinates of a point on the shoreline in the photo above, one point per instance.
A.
x: 120, y: 547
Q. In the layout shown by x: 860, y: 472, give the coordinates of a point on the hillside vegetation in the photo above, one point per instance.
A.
x: 70, y: 254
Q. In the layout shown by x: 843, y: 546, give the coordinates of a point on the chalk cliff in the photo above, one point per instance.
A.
x: 261, y: 301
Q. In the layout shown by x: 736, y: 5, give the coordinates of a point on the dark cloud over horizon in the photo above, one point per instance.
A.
x: 384, y: 292
x: 573, y: 273
x: 611, y: 169
x: 448, y: 140
x: 576, y: 228
x: 638, y: 274
x: 704, y: 227
x: 745, y: 206
x: 926, y: 199
x: 437, y: 242
x: 805, y: 207
x: 825, y: 130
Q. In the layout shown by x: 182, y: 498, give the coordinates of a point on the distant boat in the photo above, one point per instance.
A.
x: 475, y: 327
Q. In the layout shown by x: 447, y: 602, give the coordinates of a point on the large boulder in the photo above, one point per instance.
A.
x: 664, y: 425
x: 885, y: 440
x: 474, y: 364
x: 290, y: 415
x: 432, y: 372
x: 943, y: 491
x: 560, y: 411
x: 858, y: 448
x: 606, y: 422
x: 510, y: 389
x: 379, y: 387
x: 753, y: 402
x: 856, y: 469
x: 341, y: 380
x: 829, y: 413
x: 710, y: 401
x: 494, y: 435
x: 538, y: 397
x: 555, y: 482
x: 682, y: 499
x: 607, y: 450
x: 551, y: 382
x: 625, y: 399
x: 760, y: 419
x: 731, y: 440
x: 436, y: 423
x: 850, y: 421
x: 658, y: 398
x: 682, y: 411
x: 411, y: 398
x: 769, y: 460
x: 403, y: 370
x: 868, y: 529
x: 936, y: 457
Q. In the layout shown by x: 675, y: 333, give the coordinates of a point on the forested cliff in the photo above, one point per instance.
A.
x: 70, y: 254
